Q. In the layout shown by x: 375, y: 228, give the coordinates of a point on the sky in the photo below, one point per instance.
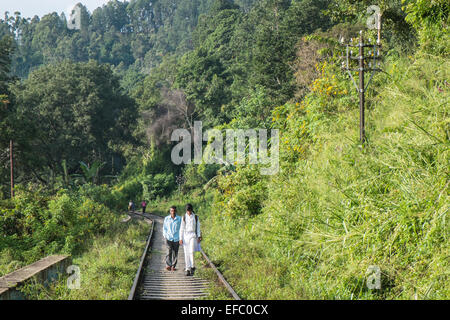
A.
x: 30, y: 8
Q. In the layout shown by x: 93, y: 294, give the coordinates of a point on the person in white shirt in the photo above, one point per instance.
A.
x: 190, y: 237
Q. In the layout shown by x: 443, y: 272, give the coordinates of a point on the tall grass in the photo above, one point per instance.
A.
x: 344, y: 208
x: 107, y: 267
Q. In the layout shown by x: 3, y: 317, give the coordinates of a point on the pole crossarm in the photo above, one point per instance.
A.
x: 367, y: 62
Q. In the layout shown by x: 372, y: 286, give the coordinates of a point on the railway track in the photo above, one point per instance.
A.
x: 153, y: 282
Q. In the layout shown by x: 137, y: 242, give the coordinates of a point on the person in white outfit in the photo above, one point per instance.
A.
x: 190, y: 237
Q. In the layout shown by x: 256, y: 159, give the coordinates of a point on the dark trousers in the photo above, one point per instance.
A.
x: 143, y: 209
x: 172, y: 253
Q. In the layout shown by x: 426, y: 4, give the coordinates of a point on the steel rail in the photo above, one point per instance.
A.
x: 138, y: 277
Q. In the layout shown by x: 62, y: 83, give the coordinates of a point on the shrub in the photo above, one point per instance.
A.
x: 431, y: 20
x: 37, y: 224
x: 341, y: 208
x: 157, y: 185
x: 241, y: 194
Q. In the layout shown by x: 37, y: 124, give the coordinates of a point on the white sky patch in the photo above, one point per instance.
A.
x: 30, y: 8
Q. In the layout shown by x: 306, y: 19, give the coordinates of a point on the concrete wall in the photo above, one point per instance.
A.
x: 43, y: 271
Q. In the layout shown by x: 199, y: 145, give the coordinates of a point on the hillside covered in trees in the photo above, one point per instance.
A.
x: 90, y: 113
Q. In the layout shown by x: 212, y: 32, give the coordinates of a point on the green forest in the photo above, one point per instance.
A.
x: 90, y: 114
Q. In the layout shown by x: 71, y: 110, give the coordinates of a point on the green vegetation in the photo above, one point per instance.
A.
x: 96, y: 123
x: 107, y: 267
x: 216, y: 290
x: 36, y: 224
x: 312, y: 231
x: 91, y: 113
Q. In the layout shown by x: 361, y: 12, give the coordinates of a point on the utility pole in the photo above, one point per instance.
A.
x: 362, y: 100
x: 11, y: 161
x: 373, y: 58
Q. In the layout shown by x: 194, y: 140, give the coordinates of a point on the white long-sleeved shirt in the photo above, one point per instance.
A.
x: 188, y: 226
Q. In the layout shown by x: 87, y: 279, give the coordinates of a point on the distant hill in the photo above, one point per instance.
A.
x: 135, y: 33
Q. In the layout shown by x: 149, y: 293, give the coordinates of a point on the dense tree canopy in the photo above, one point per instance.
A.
x: 236, y: 53
x: 70, y: 111
x: 223, y: 62
x: 135, y: 32
x: 5, y: 105
x: 92, y: 113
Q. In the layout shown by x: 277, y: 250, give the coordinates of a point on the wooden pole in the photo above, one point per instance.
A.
x: 11, y: 160
x: 362, y: 129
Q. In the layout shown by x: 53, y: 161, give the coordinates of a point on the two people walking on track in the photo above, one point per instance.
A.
x: 183, y: 231
x: 132, y: 206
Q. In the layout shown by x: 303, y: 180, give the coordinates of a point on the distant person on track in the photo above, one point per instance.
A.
x: 171, y: 232
x: 131, y: 206
x: 190, y: 237
x: 144, y: 206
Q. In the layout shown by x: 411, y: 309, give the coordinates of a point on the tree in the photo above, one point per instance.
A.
x: 112, y: 15
x: 205, y: 74
x: 205, y: 80
x: 280, y: 26
x: 6, y: 49
x: 396, y: 31
x: 70, y: 111
x: 49, y: 31
x: 431, y: 19
x: 91, y: 173
x: 136, y: 33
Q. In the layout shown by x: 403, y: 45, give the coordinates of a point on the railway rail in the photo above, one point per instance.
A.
x: 153, y: 282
